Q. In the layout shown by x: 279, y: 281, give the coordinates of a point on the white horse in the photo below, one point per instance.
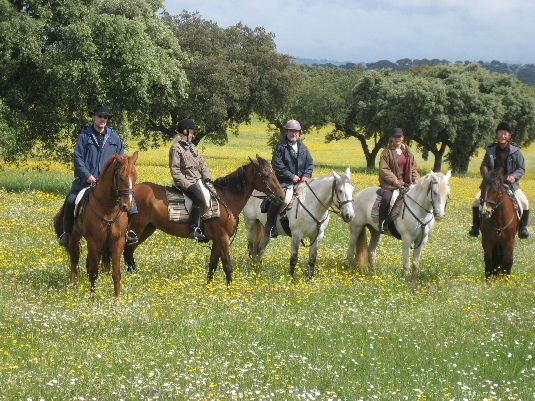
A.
x: 422, y: 204
x: 307, y: 217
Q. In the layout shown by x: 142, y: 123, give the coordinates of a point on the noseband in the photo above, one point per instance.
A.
x: 340, y: 203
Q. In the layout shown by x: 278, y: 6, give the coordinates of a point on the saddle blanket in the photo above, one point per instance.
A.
x: 178, y: 212
x: 394, y: 213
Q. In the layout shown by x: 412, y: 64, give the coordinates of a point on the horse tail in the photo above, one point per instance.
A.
x: 105, y: 259
x: 57, y: 220
x: 361, y: 251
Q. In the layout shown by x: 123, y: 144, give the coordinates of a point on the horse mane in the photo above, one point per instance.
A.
x: 106, y: 166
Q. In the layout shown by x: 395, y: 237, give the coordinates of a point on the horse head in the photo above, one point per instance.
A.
x: 266, y: 181
x: 343, y: 194
x: 438, y: 192
x: 124, y: 178
x: 491, y: 193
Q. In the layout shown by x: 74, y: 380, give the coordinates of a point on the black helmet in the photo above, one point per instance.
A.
x: 101, y: 110
x: 186, y: 124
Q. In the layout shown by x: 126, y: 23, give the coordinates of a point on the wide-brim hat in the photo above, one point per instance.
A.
x: 101, y: 110
x: 396, y: 132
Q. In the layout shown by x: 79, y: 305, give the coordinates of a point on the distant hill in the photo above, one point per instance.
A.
x: 524, y: 72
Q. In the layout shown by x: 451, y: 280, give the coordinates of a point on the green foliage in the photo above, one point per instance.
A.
x: 233, y: 73
x: 60, y: 59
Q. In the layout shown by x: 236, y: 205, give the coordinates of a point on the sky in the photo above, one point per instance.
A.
x: 372, y: 30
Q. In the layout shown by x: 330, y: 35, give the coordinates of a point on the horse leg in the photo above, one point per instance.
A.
x: 130, y: 249
x: 73, y: 248
x: 255, y: 236
x: 313, y: 254
x: 406, y: 253
x: 375, y: 239
x: 416, y: 257
x: 354, y: 248
x: 215, y: 254
x: 294, y: 254
x: 93, y: 258
x: 488, y: 250
x: 225, y: 259
x: 116, y: 270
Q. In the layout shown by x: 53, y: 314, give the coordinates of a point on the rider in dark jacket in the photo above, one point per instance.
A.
x: 507, y: 155
x: 292, y: 163
x: 95, y: 145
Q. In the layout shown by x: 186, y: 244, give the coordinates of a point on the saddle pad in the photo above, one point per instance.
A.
x: 394, y: 213
x: 177, y: 208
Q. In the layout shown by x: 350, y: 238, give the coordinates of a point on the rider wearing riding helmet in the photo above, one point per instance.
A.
x: 292, y: 164
x: 504, y: 154
x: 187, y: 167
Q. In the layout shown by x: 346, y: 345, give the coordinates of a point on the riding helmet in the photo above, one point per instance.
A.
x: 293, y: 124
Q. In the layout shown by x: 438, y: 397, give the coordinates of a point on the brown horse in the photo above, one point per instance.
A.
x: 102, y: 220
x: 499, y: 224
x: 233, y: 191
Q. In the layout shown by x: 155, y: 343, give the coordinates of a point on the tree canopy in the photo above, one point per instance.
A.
x: 59, y: 59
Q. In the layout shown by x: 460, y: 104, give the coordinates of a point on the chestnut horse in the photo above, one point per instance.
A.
x: 232, y: 192
x: 499, y: 224
x: 102, y: 220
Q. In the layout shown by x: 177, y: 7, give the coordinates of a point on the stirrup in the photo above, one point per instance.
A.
x: 197, y: 234
x: 64, y: 238
x: 131, y: 237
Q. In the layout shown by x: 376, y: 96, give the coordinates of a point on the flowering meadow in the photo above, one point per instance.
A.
x: 340, y: 336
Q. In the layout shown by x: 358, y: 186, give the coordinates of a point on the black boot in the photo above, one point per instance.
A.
x: 195, y: 223
x: 474, y: 231
x: 131, y: 236
x: 383, y: 214
x: 523, y: 232
x: 68, y: 223
x: 271, y: 225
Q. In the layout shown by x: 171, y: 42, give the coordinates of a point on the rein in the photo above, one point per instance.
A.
x: 431, y: 212
x: 320, y: 222
x: 496, y: 204
x: 118, y: 193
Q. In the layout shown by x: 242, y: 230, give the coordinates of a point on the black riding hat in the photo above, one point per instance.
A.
x: 186, y: 124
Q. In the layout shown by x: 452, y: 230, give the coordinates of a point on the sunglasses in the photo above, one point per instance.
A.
x: 101, y: 116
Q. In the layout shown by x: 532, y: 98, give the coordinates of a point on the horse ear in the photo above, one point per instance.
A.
x: 348, y: 172
x: 336, y: 175
x: 134, y: 156
x: 448, y: 174
x: 255, y: 162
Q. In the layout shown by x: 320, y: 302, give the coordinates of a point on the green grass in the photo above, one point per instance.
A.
x: 269, y: 337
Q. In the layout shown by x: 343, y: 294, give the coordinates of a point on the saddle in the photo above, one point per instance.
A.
x: 394, y: 209
x: 179, y: 204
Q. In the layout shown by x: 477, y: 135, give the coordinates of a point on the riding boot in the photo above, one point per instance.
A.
x: 271, y: 226
x: 523, y: 231
x: 474, y: 231
x: 131, y: 236
x: 68, y: 223
x: 195, y: 223
x: 383, y: 214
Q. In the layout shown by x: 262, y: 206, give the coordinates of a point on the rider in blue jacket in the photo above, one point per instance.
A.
x: 292, y: 164
x: 95, y: 145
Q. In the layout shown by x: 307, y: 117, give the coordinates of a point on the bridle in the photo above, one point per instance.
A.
x: 258, y: 171
x: 115, y: 183
x: 334, y: 193
x: 483, y: 201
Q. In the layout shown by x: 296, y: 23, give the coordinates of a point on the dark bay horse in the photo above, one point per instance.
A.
x: 102, y: 220
x: 499, y: 224
x: 233, y: 191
